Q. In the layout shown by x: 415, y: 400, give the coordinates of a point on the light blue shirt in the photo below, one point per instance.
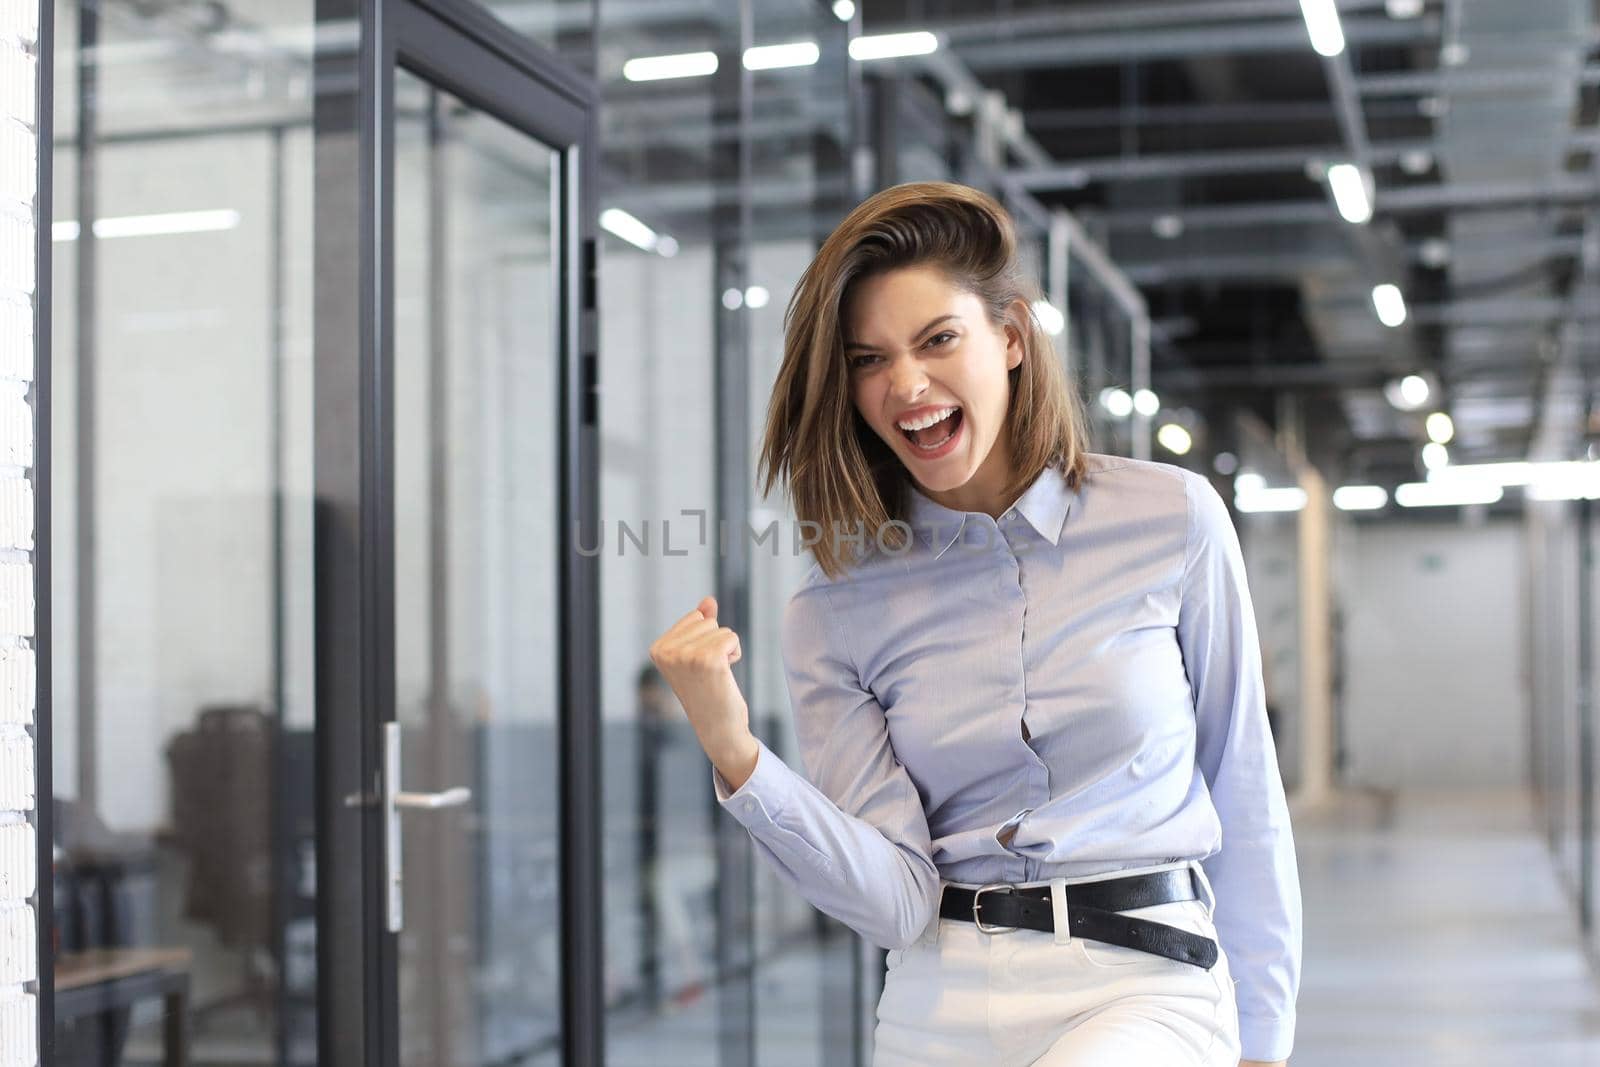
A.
x: 1072, y: 690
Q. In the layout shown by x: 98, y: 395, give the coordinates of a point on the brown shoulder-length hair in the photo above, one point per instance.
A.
x: 839, y: 473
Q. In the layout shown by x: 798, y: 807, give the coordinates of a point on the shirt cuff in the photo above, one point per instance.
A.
x: 1265, y: 1038
x: 758, y: 801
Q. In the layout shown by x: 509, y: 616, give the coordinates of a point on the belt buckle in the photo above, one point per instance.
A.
x: 978, y: 896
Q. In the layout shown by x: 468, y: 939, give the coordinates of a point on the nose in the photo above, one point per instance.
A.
x: 907, y: 380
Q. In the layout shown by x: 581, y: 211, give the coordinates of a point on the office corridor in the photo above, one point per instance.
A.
x: 386, y: 384
x: 1437, y: 934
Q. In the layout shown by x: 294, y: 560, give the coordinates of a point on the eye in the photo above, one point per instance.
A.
x: 934, y: 340
x: 860, y: 361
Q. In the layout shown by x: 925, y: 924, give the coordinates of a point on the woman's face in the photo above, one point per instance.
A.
x: 917, y: 346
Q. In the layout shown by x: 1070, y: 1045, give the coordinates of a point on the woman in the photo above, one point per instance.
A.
x: 1028, y: 697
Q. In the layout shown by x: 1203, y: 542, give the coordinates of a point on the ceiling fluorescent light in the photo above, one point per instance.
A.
x: 893, y: 45
x: 1414, y: 390
x: 1360, y: 497
x: 175, y: 222
x: 777, y: 56
x: 1350, y: 192
x: 1566, y: 481
x: 659, y: 68
x: 1174, y: 438
x: 1322, y: 21
x: 618, y: 222
x: 1553, y: 480
x: 150, y: 225
x: 1390, y: 304
x: 1446, y: 493
x: 1516, y: 472
x: 1117, y: 402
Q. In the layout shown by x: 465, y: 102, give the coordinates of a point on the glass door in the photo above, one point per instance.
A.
x: 467, y: 882
x: 477, y: 611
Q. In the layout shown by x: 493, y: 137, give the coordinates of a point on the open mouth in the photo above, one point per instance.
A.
x: 941, y: 433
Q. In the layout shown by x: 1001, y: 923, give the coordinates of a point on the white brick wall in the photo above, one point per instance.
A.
x: 19, y: 964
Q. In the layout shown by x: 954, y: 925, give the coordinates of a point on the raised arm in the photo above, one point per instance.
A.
x: 1255, y: 876
x: 853, y: 839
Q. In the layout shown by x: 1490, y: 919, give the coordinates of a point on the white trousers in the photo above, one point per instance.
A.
x: 961, y: 996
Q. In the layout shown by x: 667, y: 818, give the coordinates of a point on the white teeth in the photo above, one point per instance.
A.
x: 927, y: 420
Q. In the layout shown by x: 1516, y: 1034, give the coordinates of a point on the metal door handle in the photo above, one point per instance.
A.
x: 394, y: 801
x: 450, y: 798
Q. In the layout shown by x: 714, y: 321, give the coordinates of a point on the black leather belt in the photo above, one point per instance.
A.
x: 1092, y: 909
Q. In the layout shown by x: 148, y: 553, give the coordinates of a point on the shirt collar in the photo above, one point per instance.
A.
x: 1044, y: 505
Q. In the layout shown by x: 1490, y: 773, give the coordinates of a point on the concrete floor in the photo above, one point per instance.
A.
x: 1438, y: 935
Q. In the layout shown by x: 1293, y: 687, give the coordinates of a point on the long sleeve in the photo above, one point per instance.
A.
x: 1254, y: 874
x: 853, y: 840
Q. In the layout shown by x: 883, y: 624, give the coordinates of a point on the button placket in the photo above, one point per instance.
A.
x: 1009, y: 579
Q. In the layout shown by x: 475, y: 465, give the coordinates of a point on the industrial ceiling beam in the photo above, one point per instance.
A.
x: 1094, y: 49
x: 1487, y: 195
x: 1432, y: 82
x: 1531, y: 311
x: 1077, y: 173
x: 1205, y: 264
x: 1202, y: 267
x: 1111, y: 16
x: 1340, y: 374
x: 1394, y: 202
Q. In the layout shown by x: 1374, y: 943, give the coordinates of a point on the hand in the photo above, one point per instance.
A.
x: 695, y: 656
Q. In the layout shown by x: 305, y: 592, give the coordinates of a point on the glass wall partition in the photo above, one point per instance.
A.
x: 669, y: 180
x: 808, y: 980
x: 191, y: 281
x: 182, y: 518
x: 718, y: 186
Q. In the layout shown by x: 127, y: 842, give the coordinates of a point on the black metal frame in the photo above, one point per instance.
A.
x: 731, y: 227
x: 44, y: 783
x: 84, y: 268
x: 460, y: 47
x: 1586, y: 701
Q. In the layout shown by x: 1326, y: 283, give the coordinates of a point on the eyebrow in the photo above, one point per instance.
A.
x: 848, y: 345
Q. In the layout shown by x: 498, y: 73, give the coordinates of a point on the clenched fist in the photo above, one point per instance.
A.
x: 696, y: 656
